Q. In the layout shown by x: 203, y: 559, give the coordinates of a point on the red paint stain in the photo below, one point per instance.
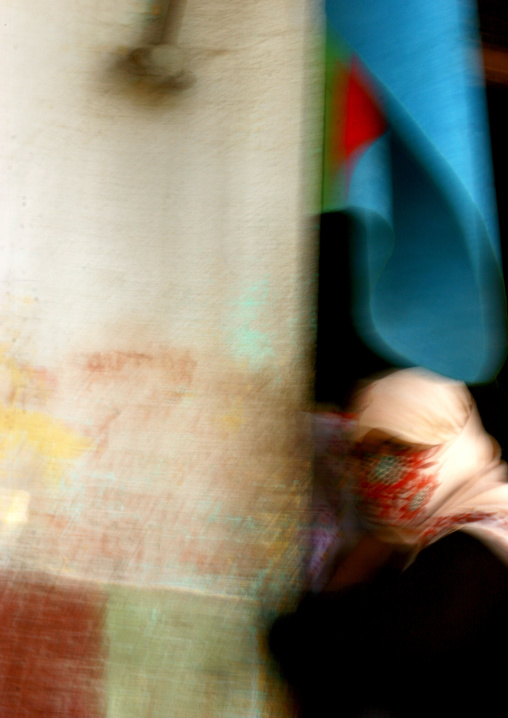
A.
x: 176, y: 365
x: 113, y: 362
x: 52, y: 658
x: 132, y: 389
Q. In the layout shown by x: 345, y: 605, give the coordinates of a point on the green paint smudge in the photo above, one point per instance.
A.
x: 247, y: 339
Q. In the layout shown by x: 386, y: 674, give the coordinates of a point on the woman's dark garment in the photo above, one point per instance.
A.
x: 428, y: 642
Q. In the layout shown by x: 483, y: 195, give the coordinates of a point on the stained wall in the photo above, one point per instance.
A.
x: 156, y: 293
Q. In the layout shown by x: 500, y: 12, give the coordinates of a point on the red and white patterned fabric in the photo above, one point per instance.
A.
x: 457, y: 481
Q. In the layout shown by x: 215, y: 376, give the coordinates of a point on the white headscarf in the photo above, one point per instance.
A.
x: 459, y: 482
x: 414, y: 405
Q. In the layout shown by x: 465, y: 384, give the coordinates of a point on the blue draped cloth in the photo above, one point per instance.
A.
x: 427, y: 276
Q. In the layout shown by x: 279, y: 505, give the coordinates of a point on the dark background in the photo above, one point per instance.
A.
x: 341, y: 357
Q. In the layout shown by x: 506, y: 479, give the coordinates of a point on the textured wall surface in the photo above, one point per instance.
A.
x: 155, y: 285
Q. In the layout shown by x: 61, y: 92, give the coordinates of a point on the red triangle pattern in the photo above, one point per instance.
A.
x: 364, y: 121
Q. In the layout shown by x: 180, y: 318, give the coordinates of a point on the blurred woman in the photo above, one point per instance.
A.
x: 411, y: 620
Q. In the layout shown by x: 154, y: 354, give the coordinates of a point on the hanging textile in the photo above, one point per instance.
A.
x: 407, y: 156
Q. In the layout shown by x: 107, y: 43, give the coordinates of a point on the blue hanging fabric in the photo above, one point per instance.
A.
x: 407, y: 155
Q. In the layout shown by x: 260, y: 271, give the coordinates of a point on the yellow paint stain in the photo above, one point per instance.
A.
x: 52, y: 441
x: 19, y: 376
x: 235, y: 418
x: 27, y: 301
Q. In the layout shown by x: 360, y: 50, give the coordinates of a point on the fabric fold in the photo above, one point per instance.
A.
x: 407, y: 155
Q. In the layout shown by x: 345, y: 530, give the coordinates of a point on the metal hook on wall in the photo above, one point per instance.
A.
x: 159, y: 57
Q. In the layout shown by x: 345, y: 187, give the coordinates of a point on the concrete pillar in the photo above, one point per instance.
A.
x: 156, y: 285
